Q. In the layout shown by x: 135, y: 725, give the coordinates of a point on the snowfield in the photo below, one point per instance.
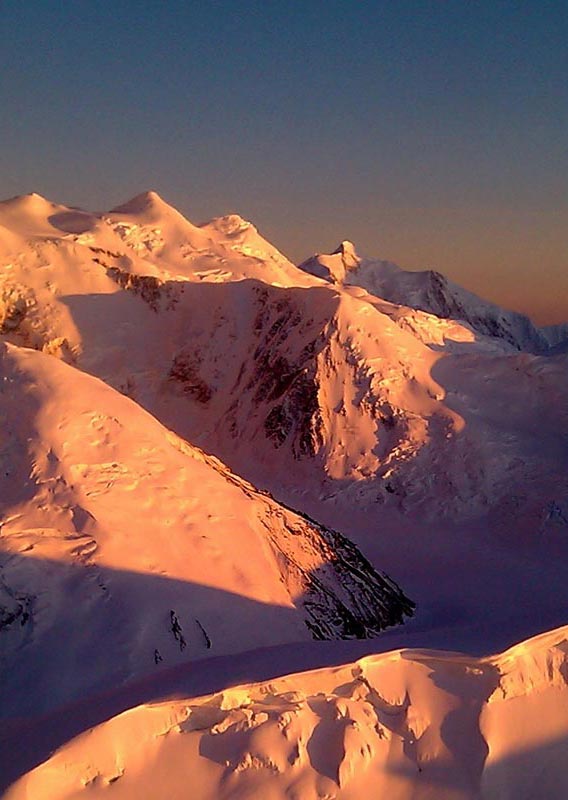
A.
x: 212, y: 460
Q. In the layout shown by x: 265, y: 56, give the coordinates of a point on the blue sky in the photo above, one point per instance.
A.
x: 432, y: 133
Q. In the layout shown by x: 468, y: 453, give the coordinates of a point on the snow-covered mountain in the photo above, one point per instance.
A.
x: 150, y: 236
x: 432, y: 292
x: 372, y: 417
x: 205, y: 376
x: 281, y: 374
x: 137, y: 550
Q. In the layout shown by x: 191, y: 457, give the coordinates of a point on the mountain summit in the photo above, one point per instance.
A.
x: 334, y: 267
x: 427, y: 291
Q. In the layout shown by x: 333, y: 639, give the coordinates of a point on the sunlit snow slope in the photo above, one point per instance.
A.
x: 408, y: 724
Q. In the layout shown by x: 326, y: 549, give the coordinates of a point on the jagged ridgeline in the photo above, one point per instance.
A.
x: 362, y: 601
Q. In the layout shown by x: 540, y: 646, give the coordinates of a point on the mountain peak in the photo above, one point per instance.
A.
x: 349, y: 257
x: 142, y: 202
x: 28, y: 201
x: 334, y: 266
x: 345, y: 247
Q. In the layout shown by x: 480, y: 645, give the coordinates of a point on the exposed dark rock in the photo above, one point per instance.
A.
x: 184, y: 373
x: 343, y: 596
x: 298, y: 415
x: 147, y: 287
x: 15, y: 608
x: 159, y: 295
x: 205, y: 635
x: 176, y: 629
x: 110, y: 253
x: 284, y: 380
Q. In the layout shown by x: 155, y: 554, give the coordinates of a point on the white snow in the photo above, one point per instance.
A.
x: 395, y: 407
x: 430, y: 292
x: 409, y: 723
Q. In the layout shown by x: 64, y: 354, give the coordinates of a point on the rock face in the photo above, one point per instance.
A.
x: 342, y: 595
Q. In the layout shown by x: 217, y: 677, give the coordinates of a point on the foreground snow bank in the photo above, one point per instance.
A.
x: 410, y: 723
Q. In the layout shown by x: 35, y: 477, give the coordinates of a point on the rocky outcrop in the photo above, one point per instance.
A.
x: 158, y: 294
x: 342, y: 595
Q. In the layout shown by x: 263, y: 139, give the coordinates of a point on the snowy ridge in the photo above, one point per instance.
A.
x: 402, y: 724
x: 147, y: 233
x: 432, y: 292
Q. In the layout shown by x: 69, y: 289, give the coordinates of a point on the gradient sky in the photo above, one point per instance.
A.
x: 431, y: 133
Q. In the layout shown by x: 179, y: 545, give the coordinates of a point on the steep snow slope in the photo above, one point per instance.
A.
x: 407, y: 724
x: 124, y: 549
x: 429, y: 291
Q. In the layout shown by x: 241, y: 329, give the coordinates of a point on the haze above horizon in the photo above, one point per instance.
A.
x: 430, y: 134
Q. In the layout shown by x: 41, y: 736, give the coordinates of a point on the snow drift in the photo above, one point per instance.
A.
x: 413, y: 723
